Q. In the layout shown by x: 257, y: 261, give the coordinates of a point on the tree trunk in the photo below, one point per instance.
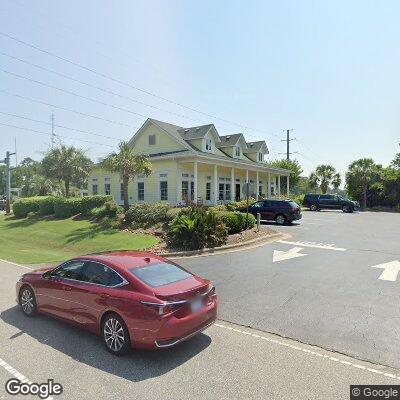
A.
x: 125, y: 182
x: 66, y: 182
x: 364, y: 199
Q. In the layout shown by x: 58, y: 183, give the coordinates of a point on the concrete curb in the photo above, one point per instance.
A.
x: 249, y: 244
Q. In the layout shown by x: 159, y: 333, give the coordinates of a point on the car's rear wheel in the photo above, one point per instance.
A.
x: 313, y: 207
x: 116, y: 335
x: 280, y: 219
x: 27, y: 301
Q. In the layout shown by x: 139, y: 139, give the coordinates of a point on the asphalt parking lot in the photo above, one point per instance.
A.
x: 321, y: 288
x: 329, y: 297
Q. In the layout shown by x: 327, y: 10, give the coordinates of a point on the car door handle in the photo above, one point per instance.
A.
x: 67, y: 288
x: 104, y: 295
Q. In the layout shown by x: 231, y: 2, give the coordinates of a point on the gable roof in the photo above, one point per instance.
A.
x: 232, y: 140
x: 259, y: 145
x: 198, y: 132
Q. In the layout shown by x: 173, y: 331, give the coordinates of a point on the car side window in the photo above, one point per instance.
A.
x: 100, y: 274
x: 266, y: 203
x: 259, y: 204
x: 71, y: 270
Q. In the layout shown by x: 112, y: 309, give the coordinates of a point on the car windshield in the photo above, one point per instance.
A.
x: 160, y: 274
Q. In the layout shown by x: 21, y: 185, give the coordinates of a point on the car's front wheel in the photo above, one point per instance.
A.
x: 313, y: 207
x: 116, y: 335
x: 280, y: 219
x: 27, y: 301
x: 347, y: 209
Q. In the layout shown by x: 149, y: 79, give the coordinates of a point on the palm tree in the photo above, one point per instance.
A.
x: 66, y: 164
x: 361, y: 174
x: 324, y: 176
x: 128, y: 164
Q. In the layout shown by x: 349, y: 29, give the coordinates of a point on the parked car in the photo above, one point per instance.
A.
x: 131, y: 299
x: 280, y: 211
x: 317, y: 202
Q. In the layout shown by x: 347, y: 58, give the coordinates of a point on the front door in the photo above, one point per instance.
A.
x: 237, y: 192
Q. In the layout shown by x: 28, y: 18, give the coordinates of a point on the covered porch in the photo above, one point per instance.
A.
x: 203, y: 181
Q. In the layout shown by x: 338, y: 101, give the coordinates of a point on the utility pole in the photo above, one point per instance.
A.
x: 8, y: 181
x: 288, y: 140
x: 52, y: 131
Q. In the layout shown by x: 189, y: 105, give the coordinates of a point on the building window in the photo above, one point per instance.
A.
x: 163, y: 190
x: 227, y: 191
x: 260, y: 190
x: 121, y: 191
x: 208, y: 144
x: 152, y: 140
x: 208, y: 191
x: 95, y: 188
x: 107, y: 189
x: 185, y: 191
x: 221, y: 191
x: 237, y: 151
x: 260, y: 157
x: 140, y: 191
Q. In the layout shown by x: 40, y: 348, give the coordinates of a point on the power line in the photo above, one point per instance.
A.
x: 73, y: 93
x: 127, y: 84
x: 59, y: 126
x: 47, y: 134
x: 67, y: 109
x: 96, y: 87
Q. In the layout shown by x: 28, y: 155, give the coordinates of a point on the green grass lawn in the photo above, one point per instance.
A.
x: 45, y: 239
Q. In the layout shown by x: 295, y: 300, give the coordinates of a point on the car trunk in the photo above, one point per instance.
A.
x: 182, y: 290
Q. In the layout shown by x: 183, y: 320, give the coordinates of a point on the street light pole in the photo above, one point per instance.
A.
x: 8, y: 181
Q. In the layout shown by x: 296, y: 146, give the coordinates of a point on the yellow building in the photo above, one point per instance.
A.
x: 193, y: 164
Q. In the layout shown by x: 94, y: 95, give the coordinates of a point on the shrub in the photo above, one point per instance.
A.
x: 237, y: 205
x: 26, y: 205
x: 299, y: 199
x: 219, y: 207
x: 172, y: 213
x: 145, y: 214
x: 67, y: 207
x: 197, y: 228
x: 236, y: 221
x: 46, y: 206
x: 109, y: 209
x: 90, y: 202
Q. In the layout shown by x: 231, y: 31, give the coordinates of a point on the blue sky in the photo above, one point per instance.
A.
x: 327, y: 70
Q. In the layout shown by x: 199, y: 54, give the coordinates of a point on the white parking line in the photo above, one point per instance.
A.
x: 308, y: 351
x: 326, y: 246
x: 13, y: 263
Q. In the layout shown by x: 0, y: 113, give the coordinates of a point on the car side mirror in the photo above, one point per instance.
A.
x: 47, y: 275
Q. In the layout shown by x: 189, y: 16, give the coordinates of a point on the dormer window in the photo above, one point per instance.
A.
x: 260, y: 157
x: 208, y: 144
x: 152, y: 140
x: 237, y: 151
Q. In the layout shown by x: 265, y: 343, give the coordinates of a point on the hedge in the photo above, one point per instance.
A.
x: 236, y: 221
x: 23, y: 207
x: 46, y: 206
x: 145, y: 214
x: 90, y: 202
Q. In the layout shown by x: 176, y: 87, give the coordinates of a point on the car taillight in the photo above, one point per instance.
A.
x: 209, y: 293
x: 163, y: 308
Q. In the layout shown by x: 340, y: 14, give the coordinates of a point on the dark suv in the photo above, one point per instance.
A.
x: 280, y: 211
x: 317, y: 202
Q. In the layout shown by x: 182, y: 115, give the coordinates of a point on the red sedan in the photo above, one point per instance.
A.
x: 132, y: 299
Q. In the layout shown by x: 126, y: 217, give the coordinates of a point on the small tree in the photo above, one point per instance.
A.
x: 66, y: 164
x: 361, y: 175
x: 128, y: 164
x: 292, y: 165
x: 324, y: 176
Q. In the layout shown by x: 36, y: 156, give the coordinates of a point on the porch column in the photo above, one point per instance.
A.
x: 287, y: 185
x: 269, y: 186
x: 257, y: 185
x: 215, y: 184
x: 247, y: 175
x: 179, y: 186
x: 195, y: 194
x: 233, y: 185
x: 279, y: 185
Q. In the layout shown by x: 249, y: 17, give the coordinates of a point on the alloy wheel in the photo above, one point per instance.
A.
x: 280, y: 219
x: 27, y: 301
x: 114, y: 334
